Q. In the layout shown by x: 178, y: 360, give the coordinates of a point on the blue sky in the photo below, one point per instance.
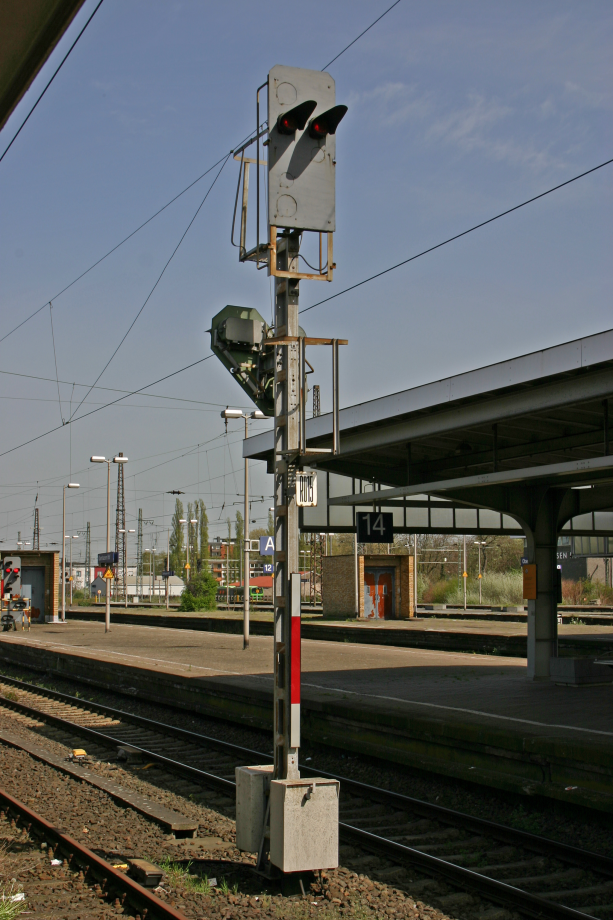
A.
x: 456, y: 112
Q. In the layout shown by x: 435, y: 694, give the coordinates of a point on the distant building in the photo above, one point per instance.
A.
x: 175, y: 584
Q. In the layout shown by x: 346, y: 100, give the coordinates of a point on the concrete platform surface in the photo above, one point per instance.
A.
x: 487, y: 687
x: 444, y: 633
x: 463, y: 714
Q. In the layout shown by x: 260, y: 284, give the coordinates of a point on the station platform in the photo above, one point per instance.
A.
x: 474, y: 717
x: 445, y: 632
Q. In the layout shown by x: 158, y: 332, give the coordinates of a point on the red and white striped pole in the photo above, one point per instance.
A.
x: 295, y: 661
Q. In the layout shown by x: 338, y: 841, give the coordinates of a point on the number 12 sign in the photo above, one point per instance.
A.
x: 375, y: 527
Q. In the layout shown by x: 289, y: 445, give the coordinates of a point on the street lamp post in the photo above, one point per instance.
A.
x: 71, y: 485
x: 236, y: 413
x: 107, y: 614
x: 480, y: 543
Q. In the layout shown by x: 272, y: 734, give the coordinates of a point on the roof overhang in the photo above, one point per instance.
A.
x: 507, y: 419
x: 29, y: 31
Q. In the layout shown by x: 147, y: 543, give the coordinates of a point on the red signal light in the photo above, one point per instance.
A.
x: 16, y: 571
x: 296, y: 118
x: 327, y: 122
x: 7, y: 571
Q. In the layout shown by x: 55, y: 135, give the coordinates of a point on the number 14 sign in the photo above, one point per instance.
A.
x: 375, y: 527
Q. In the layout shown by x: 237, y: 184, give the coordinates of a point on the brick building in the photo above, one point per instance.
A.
x: 385, y: 587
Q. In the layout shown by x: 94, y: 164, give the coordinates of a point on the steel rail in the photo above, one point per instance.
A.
x: 138, y: 896
x: 529, y: 904
x: 503, y: 832
x: 219, y: 782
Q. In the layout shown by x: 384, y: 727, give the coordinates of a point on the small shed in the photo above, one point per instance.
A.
x: 98, y: 584
x: 385, y: 586
x: 40, y: 569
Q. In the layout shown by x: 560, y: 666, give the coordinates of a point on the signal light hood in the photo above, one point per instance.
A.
x: 296, y: 118
x: 327, y: 122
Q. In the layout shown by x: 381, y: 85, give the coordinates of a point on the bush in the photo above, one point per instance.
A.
x: 585, y: 591
x: 498, y: 588
x: 199, y: 593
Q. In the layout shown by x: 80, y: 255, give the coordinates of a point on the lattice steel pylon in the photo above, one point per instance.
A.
x: 316, y: 401
x: 36, y: 532
x: 120, y: 535
x: 139, y: 555
x: 87, y: 583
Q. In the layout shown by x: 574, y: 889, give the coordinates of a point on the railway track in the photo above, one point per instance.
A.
x: 81, y: 871
x: 532, y: 875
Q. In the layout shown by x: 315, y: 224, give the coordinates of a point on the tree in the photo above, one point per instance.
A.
x: 239, y: 534
x: 200, y: 592
x: 203, y: 526
x: 177, y: 550
x: 270, y: 530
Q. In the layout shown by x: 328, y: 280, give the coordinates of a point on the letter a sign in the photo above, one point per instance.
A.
x: 267, y: 546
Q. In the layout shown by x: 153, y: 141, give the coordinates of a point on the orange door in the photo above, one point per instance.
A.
x: 384, y: 595
x: 369, y: 594
x: 378, y: 593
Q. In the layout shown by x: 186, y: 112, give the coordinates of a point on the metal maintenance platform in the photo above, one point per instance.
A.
x: 475, y: 717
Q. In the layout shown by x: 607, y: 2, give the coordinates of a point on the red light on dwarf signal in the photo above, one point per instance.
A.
x: 16, y: 571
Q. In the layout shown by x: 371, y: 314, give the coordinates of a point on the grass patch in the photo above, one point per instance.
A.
x: 9, y: 889
x: 178, y: 874
x: 11, y: 695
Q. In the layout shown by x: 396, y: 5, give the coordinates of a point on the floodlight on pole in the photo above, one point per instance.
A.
x: 98, y: 459
x: 257, y: 414
x: 480, y: 543
x: 65, y: 536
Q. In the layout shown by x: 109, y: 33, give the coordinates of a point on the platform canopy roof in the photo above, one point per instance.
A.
x: 542, y: 416
x: 29, y: 31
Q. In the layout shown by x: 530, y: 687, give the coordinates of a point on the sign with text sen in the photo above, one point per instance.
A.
x: 375, y: 526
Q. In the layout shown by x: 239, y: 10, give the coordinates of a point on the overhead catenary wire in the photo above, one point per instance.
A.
x: 59, y: 398
x: 158, y: 279
x: 105, y: 406
x: 238, y: 146
x: 457, y: 236
x: 367, y: 29
x: 200, y: 402
x: 50, y: 81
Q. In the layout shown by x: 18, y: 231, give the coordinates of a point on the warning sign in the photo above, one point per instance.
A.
x: 108, y: 574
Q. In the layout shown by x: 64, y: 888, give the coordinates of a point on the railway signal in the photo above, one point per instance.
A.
x: 270, y: 365
x: 11, y: 575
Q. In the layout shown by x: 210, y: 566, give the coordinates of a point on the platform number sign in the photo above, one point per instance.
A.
x: 375, y: 527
